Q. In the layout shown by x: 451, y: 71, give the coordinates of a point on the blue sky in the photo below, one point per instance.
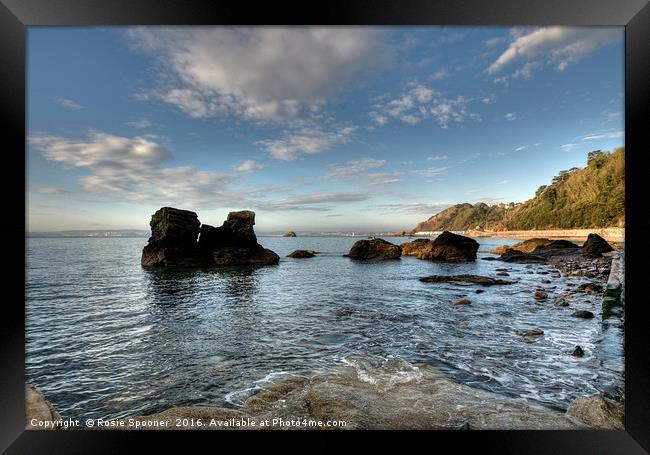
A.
x: 313, y: 128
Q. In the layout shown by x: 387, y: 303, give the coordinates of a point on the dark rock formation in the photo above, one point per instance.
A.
x: 598, y: 412
x: 578, y: 352
x: 511, y: 255
x: 484, y: 280
x: 583, y: 314
x: 301, y: 254
x: 375, y: 249
x: 289, y: 234
x: 463, y: 302
x: 595, y: 246
x: 446, y: 247
x: 174, y: 241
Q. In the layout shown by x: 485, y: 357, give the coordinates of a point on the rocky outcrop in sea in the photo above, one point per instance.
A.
x: 374, y: 249
x: 447, y: 246
x: 173, y: 241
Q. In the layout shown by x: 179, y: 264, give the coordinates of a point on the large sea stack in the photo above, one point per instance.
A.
x: 447, y: 246
x: 174, y: 234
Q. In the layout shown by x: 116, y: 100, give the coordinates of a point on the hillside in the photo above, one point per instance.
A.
x: 590, y: 197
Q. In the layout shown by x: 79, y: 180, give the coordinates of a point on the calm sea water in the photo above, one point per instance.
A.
x: 107, y: 338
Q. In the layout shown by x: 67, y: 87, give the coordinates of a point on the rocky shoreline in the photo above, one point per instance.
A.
x: 390, y: 393
x: 375, y: 393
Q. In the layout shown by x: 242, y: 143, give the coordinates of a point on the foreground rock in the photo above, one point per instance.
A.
x: 302, y: 254
x: 174, y: 241
x: 476, y: 279
x: 598, y: 412
x: 289, y: 234
x: 370, y: 393
x: 446, y: 247
x: 374, y: 249
x: 38, y: 409
x: 595, y: 246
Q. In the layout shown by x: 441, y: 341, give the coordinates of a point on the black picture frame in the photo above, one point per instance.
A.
x: 16, y: 15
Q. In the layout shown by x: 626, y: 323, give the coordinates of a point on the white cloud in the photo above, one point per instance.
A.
x: 489, y: 99
x: 260, y: 73
x: 510, y: 116
x: 133, y: 168
x: 51, y: 190
x: 526, y: 71
x: 437, y: 158
x: 419, y: 103
x: 503, y: 182
x: 494, y: 41
x: 355, y: 168
x: 557, y: 46
x: 312, y: 202
x: 384, y: 178
x: 414, y: 208
x: 308, y: 140
x: 440, y: 74
x: 141, y: 124
x: 70, y: 104
x: 430, y: 172
x: 603, y: 135
x: 568, y: 147
x: 249, y: 166
x: 519, y: 149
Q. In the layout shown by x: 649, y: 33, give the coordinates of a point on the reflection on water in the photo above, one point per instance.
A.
x: 107, y: 338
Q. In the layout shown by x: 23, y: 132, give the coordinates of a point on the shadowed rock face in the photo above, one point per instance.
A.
x: 289, y: 234
x: 595, y: 246
x: 375, y: 249
x: 174, y: 241
x: 446, y: 247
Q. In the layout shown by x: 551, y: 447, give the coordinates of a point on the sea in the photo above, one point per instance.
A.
x: 107, y: 338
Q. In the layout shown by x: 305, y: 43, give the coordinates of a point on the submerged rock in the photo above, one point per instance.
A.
x: 533, y: 333
x: 598, y: 412
x: 540, y: 295
x: 463, y: 302
x: 302, y: 254
x: 174, y: 241
x: 578, y: 352
x: 375, y: 249
x: 484, y: 280
x: 590, y: 288
x: 583, y: 314
x: 446, y: 247
x: 289, y: 234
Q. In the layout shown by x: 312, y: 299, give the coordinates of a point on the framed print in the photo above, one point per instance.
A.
x: 413, y: 216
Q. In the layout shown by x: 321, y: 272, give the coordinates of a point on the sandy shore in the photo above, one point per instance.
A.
x: 610, y: 234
